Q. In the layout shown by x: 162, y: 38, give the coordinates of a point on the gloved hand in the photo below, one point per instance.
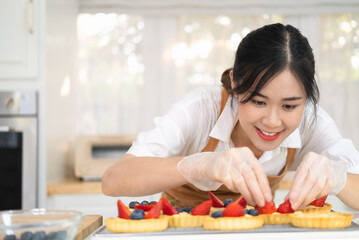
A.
x: 237, y: 168
x: 315, y: 177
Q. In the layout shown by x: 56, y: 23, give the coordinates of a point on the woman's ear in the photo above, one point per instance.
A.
x: 233, y: 85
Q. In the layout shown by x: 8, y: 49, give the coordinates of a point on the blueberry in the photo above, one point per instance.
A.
x: 179, y: 209
x: 137, y: 214
x: 51, y: 236
x: 217, y: 214
x: 26, y: 235
x: 187, y: 209
x: 132, y: 204
x: 10, y: 237
x: 61, y: 235
x: 152, y: 202
x: 246, y: 211
x: 145, y: 203
x: 227, y: 201
x: 253, y: 212
x: 39, y: 236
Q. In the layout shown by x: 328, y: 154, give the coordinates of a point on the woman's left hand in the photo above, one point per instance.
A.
x: 316, y: 176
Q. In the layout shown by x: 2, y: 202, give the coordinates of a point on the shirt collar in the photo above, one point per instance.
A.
x: 225, y: 123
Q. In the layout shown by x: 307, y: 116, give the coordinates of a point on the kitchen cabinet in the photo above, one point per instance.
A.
x: 19, y: 39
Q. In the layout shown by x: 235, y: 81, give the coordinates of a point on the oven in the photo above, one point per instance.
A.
x: 18, y: 150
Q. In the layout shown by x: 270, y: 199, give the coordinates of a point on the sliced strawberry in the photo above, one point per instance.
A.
x: 285, y: 207
x: 241, y: 201
x: 155, y: 211
x: 216, y: 202
x: 319, y: 202
x: 268, y: 208
x: 145, y: 208
x: 203, y: 208
x: 233, y: 210
x: 168, y: 208
x: 123, y: 211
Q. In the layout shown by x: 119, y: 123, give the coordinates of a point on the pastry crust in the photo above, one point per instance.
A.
x: 321, y: 220
x: 277, y: 218
x: 313, y: 209
x: 232, y: 223
x: 185, y: 221
x: 144, y: 225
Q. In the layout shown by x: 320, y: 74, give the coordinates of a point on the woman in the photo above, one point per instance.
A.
x: 243, y: 139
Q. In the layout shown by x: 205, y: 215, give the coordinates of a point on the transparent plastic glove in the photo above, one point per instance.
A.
x: 237, y: 168
x: 315, y: 177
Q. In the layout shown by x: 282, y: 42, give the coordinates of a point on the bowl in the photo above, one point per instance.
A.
x: 39, y: 224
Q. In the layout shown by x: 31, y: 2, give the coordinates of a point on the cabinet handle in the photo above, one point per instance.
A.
x: 30, y: 16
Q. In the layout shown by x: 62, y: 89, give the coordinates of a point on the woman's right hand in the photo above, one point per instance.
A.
x: 237, y: 168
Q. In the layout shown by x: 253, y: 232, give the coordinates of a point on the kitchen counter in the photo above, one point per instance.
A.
x: 74, y: 186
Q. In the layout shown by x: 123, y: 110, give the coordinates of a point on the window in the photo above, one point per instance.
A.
x: 136, y: 62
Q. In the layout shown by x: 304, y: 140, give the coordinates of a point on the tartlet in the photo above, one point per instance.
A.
x: 233, y: 223
x: 329, y: 220
x: 185, y: 220
x: 145, y: 225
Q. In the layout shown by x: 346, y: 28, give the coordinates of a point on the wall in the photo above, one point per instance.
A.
x: 60, y: 65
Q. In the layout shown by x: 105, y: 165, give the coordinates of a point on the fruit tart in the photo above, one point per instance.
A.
x: 137, y: 220
x: 188, y: 217
x: 276, y: 216
x: 328, y: 220
x: 233, y: 217
x: 318, y: 206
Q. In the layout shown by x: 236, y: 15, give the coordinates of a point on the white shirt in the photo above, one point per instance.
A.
x: 186, y: 127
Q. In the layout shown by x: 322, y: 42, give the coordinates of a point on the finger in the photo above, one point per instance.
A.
x: 239, y: 185
x: 305, y: 190
x: 263, y: 182
x: 253, y: 186
x: 297, y: 184
x: 310, y: 196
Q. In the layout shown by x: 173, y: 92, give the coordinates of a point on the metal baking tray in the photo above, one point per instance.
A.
x: 104, y: 233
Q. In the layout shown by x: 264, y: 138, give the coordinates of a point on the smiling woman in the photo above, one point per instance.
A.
x: 242, y: 138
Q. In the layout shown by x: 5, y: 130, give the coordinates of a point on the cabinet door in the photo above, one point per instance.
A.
x: 19, y: 37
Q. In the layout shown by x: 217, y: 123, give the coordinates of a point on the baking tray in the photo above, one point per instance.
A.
x: 104, y: 233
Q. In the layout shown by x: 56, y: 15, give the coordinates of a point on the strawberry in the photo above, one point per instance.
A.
x: 241, y: 201
x: 319, y: 202
x: 123, y: 211
x: 233, y: 210
x: 145, y: 208
x: 202, y: 209
x: 155, y: 211
x: 168, y: 208
x: 285, y: 207
x: 268, y: 208
x: 216, y: 202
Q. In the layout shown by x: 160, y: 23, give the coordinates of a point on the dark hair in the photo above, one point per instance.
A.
x: 267, y: 51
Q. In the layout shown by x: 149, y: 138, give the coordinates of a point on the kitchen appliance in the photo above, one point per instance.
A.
x: 18, y: 150
x: 95, y: 153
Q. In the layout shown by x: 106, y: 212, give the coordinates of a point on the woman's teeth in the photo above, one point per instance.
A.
x: 267, y: 133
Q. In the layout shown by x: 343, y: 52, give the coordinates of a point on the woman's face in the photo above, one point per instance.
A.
x: 272, y: 115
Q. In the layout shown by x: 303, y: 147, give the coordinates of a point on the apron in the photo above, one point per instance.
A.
x: 190, y: 196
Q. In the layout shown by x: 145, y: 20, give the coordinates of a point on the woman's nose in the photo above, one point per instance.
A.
x: 272, y: 118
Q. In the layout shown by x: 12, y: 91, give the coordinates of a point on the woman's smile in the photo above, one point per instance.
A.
x: 267, y: 136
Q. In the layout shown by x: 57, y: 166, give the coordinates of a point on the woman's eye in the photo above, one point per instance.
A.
x: 259, y: 103
x: 289, y: 107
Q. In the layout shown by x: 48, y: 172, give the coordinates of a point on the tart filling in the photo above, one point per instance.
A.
x: 145, y: 225
x: 321, y: 220
x: 313, y: 209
